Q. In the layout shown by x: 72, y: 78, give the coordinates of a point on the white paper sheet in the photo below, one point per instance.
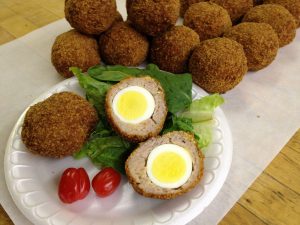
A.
x: 263, y: 111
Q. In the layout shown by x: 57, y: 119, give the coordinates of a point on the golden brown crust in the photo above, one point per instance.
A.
x: 59, y: 125
x: 167, y: 194
x: 123, y: 45
x: 153, y: 17
x: 235, y: 8
x: 292, y: 5
x: 278, y: 17
x: 171, y: 50
x: 74, y: 49
x: 218, y: 65
x: 146, y: 129
x: 185, y: 4
x: 209, y: 20
x: 89, y: 16
x: 259, y: 40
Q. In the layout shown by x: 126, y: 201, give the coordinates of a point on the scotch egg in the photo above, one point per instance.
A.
x: 165, y: 167
x: 136, y: 108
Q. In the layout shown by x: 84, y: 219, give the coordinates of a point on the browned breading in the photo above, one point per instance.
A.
x: 292, y: 5
x: 59, y: 125
x: 218, y: 65
x: 172, y: 50
x: 153, y: 17
x: 118, y: 18
x: 147, y: 128
x: 235, y: 8
x: 209, y: 20
x: 123, y: 45
x: 185, y: 4
x: 278, y: 17
x: 136, y: 170
x: 74, y: 49
x: 259, y: 40
x: 90, y: 16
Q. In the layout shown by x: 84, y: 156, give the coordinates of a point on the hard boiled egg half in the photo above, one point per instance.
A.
x: 169, y: 166
x: 133, y: 104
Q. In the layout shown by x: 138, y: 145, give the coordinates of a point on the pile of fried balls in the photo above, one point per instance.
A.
x: 219, y: 41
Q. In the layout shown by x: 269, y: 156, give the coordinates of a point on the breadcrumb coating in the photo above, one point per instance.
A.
x: 235, y: 8
x: 218, y: 65
x: 185, y: 4
x: 123, y: 45
x: 292, y: 5
x: 172, y: 50
x: 59, y: 125
x: 278, y: 17
x: 74, y: 49
x: 153, y: 17
x: 259, y: 40
x: 90, y: 16
x: 208, y: 19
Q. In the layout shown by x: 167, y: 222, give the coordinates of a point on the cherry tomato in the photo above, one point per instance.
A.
x: 74, y: 185
x: 106, y: 182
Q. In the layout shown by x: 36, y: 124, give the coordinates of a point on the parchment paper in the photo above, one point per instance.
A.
x: 263, y: 111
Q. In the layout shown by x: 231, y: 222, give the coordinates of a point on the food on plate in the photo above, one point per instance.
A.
x: 259, y: 40
x: 171, y: 50
x: 209, y: 20
x: 153, y: 17
x: 278, y: 17
x: 165, y: 167
x: 185, y: 4
x: 123, y: 45
x: 74, y: 185
x: 196, y: 119
x: 236, y: 8
x: 177, y: 88
x: 74, y: 49
x: 218, y: 65
x: 59, y: 125
x: 136, y: 108
x: 90, y: 16
x: 292, y: 5
x: 106, y: 182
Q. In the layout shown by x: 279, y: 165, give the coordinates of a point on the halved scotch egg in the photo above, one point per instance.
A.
x: 136, y: 108
x: 165, y: 167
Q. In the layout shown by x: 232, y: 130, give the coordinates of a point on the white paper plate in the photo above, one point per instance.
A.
x: 33, y: 180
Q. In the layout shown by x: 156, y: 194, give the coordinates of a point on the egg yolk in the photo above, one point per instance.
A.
x: 168, y: 167
x: 132, y: 105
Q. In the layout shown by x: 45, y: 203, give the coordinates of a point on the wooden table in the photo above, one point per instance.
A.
x: 274, y: 197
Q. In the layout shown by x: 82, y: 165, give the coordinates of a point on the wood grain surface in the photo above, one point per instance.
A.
x: 274, y: 197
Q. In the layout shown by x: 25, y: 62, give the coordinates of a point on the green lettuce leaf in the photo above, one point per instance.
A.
x: 202, y: 109
x: 95, y: 90
x: 109, y: 151
x: 178, y: 88
x: 196, y: 119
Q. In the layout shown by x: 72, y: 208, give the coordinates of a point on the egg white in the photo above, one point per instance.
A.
x: 150, y: 104
x: 175, y: 149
